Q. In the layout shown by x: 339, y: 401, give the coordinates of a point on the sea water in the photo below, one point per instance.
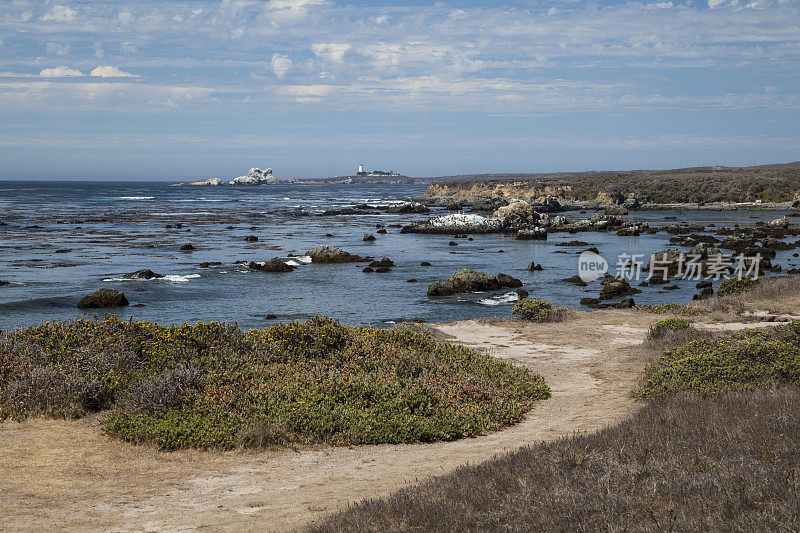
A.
x: 103, y: 231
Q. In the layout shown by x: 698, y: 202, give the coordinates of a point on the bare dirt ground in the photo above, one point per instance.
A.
x: 68, y: 475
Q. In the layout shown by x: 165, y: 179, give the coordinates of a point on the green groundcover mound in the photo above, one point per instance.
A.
x: 214, y: 385
x: 748, y: 359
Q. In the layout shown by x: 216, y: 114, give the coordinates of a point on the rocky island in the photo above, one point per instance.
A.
x: 256, y: 176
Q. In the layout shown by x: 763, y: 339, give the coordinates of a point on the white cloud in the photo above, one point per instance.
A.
x: 60, y: 13
x: 280, y: 65
x: 291, y: 10
x: 98, y: 95
x: 330, y: 51
x: 107, y: 71
x: 59, y: 72
x: 57, y: 49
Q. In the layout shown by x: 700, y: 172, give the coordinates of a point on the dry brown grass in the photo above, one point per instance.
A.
x: 779, y: 295
x: 727, y: 463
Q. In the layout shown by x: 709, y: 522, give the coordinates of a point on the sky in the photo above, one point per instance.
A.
x: 152, y: 89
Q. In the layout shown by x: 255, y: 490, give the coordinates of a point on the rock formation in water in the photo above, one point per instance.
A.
x: 256, y: 176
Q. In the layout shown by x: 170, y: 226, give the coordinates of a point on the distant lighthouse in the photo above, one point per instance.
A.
x: 360, y: 169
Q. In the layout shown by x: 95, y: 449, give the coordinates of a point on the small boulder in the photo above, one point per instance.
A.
x: 369, y: 237
x: 590, y: 302
x: 384, y: 262
x: 616, y: 210
x: 188, y: 247
x: 782, y: 222
x: 704, y: 294
x: 381, y: 231
x: 103, y: 298
x: 412, y: 280
x: 368, y: 270
x: 614, y: 288
x: 381, y: 270
x: 251, y: 238
x: 575, y: 280
x: 627, y: 303
x: 508, y: 281
x: 425, y: 264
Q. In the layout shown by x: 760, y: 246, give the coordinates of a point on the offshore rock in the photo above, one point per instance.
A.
x: 256, y: 176
x: 466, y: 280
x: 103, y: 298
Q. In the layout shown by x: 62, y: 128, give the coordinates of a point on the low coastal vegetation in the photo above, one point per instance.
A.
x: 537, y: 310
x: 212, y: 385
x: 738, y: 285
x: 744, y: 360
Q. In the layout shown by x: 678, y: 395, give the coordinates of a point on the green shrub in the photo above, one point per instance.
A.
x: 738, y: 285
x: 536, y: 310
x: 659, y: 329
x: 214, y: 385
x: 745, y: 360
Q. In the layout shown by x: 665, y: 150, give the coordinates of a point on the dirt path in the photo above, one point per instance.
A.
x: 68, y: 475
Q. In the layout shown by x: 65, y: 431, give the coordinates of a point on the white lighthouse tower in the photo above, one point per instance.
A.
x: 360, y: 169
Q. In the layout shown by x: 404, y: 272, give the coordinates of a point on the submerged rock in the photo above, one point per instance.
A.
x: 103, y: 298
x: 331, y: 254
x: 188, y: 247
x: 276, y: 264
x: 145, y: 273
x: 466, y: 280
x: 535, y: 234
x: 410, y: 207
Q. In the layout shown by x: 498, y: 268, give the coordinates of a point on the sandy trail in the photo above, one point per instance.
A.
x: 68, y: 475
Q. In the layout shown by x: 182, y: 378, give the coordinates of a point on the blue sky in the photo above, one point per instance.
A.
x: 169, y: 90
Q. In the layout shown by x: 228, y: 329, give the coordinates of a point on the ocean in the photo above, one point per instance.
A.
x: 62, y: 241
